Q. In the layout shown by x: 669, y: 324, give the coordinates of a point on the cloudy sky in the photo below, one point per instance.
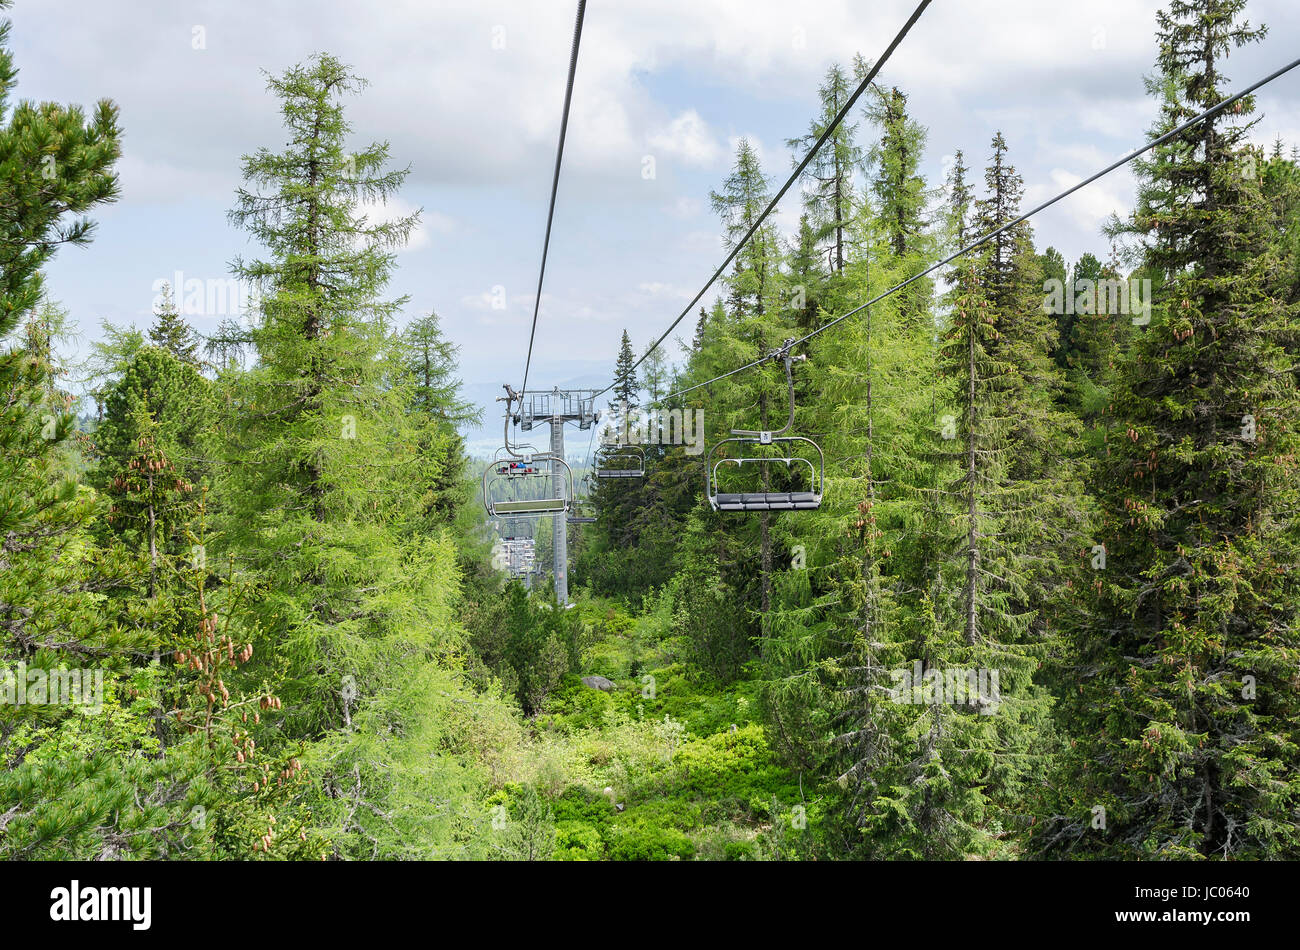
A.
x: 468, y: 92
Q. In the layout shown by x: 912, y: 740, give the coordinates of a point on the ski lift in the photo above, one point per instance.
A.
x: 808, y: 499
x: 520, y: 484
x: 582, y: 513
x: 527, y: 486
x: 627, y: 462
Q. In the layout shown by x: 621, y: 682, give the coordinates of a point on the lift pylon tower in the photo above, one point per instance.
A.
x: 558, y: 407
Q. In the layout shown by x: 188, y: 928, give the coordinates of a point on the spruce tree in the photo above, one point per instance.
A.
x: 170, y: 331
x: 901, y: 197
x: 897, y: 184
x: 1184, y: 717
x: 625, y: 383
x: 440, y: 411
x: 150, y: 451
x: 807, y: 276
x: 700, y: 325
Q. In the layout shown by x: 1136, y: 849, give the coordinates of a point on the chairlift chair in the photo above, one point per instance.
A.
x: 804, y: 500
x: 535, y: 478
x: 545, y: 481
x: 627, y: 462
x: 583, y: 511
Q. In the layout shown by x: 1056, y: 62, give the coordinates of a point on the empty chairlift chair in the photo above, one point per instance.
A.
x: 808, y: 498
x: 627, y: 462
x: 525, y: 484
x: 581, y: 512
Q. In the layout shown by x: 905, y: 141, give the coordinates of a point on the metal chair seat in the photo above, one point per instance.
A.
x: 769, y: 501
x: 531, y: 506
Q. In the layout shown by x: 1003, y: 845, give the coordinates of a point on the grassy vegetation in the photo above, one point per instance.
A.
x: 667, y: 765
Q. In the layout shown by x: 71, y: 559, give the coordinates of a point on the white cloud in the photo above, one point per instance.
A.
x: 439, y: 223
x: 659, y: 289
x: 1087, y: 209
x: 684, y: 206
x: 688, y: 138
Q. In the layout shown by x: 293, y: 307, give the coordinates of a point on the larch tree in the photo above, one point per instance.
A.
x: 829, y: 200
x: 322, y: 491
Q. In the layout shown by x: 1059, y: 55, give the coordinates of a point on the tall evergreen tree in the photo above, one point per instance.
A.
x: 807, y: 276
x: 901, y: 195
x: 170, y: 331
x: 150, y: 450
x: 1187, y: 702
x: 625, y: 386
x: 756, y: 285
x: 440, y: 411
x: 896, y: 158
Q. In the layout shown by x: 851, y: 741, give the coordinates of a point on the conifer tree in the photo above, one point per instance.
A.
x: 170, y: 331
x: 901, y: 196
x: 1184, y: 714
x: 829, y: 203
x: 440, y: 411
x: 322, y: 491
x: 698, y: 339
x: 807, y: 276
x: 625, y: 383
x: 655, y: 374
x: 897, y: 183
x: 756, y: 289
x: 228, y: 344
x: 150, y: 451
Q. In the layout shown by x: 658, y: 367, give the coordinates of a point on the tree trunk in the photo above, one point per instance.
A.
x: 972, y: 511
